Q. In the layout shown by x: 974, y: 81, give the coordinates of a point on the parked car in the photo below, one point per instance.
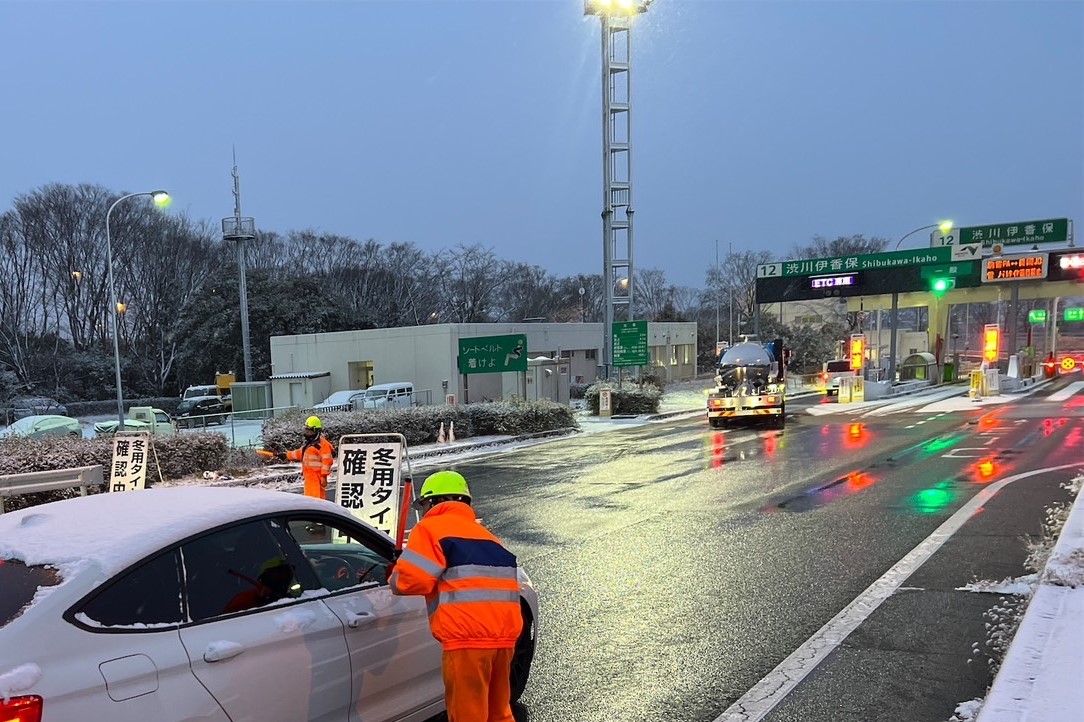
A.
x: 399, y: 395
x: 156, y: 605
x: 340, y: 401
x: 40, y: 427
x: 37, y: 406
x: 200, y: 411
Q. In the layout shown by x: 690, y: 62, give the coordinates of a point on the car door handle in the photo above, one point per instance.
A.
x: 220, y: 651
x: 356, y: 619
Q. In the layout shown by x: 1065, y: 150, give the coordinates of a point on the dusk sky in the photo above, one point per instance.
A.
x: 759, y: 123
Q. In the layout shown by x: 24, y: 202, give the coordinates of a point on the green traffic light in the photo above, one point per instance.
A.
x: 940, y: 285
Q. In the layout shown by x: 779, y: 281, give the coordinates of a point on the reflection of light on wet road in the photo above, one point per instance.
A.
x: 933, y: 499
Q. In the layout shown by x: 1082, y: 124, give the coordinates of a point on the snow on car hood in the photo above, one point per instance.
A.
x: 114, y: 530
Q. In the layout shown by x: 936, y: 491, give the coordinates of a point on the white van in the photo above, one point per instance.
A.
x: 397, y: 395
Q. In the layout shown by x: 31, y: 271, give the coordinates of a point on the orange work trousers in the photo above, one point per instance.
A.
x: 477, y: 685
x: 316, y: 486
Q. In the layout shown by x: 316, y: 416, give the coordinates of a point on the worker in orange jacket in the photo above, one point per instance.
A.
x: 471, y: 589
x: 316, y: 456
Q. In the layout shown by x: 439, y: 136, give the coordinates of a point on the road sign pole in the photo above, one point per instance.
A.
x: 893, y: 321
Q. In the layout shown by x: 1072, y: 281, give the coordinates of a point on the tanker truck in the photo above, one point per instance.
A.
x: 749, y: 384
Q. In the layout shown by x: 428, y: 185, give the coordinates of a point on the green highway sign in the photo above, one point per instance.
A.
x: 952, y: 270
x: 1037, y: 316
x: 492, y: 354
x: 870, y: 262
x: 1051, y: 230
x: 1074, y: 314
x: 630, y: 343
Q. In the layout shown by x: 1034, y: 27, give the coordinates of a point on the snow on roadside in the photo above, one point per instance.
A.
x: 1019, y: 587
x: 967, y: 711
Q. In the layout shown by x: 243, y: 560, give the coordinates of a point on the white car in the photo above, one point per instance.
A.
x: 212, y: 604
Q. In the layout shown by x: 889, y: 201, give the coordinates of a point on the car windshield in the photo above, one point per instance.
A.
x: 18, y: 585
x: 376, y: 393
x: 186, y: 405
x: 22, y: 426
x: 339, y: 398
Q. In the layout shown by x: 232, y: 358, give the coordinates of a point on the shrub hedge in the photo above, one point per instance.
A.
x: 421, y: 424
x: 178, y: 456
x: 627, y: 399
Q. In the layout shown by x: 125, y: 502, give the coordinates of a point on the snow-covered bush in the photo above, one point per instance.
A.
x: 421, y: 424
x: 177, y: 455
x: 626, y: 400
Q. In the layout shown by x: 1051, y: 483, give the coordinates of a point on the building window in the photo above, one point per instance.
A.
x: 591, y: 353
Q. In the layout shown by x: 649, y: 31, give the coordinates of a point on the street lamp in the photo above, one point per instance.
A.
x: 944, y: 226
x: 161, y: 199
x: 615, y: 17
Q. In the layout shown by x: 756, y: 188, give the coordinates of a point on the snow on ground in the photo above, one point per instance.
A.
x: 966, y: 711
x: 1019, y: 587
x: 964, y: 403
x: 1039, y: 678
x: 887, y: 405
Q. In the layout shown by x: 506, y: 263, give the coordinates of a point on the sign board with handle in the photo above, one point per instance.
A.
x: 370, y: 483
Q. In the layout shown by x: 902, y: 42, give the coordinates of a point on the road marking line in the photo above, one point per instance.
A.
x: 1068, y: 392
x: 991, y: 441
x: 909, y: 427
x: 766, y: 694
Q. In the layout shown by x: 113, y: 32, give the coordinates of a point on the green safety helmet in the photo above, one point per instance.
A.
x: 313, y: 423
x: 444, y: 483
x: 273, y: 563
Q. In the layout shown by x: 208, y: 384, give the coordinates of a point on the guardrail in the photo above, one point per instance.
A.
x: 37, y: 481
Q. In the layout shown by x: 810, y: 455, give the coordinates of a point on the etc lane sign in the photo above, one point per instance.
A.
x: 869, y: 262
x: 1051, y: 230
x: 493, y: 354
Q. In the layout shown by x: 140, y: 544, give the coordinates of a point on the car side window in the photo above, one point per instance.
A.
x: 238, y: 568
x: 341, y: 556
x: 149, y: 594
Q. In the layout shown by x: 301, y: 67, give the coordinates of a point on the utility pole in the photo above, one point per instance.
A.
x: 240, y: 230
x: 719, y: 276
x: 730, y: 302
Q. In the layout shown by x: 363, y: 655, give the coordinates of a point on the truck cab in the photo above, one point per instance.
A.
x: 140, y: 418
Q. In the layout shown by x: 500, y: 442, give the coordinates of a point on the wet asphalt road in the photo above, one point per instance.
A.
x: 677, y: 565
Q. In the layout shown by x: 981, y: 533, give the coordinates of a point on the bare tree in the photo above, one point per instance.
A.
x: 821, y: 247
x: 652, y: 293
x: 469, y: 283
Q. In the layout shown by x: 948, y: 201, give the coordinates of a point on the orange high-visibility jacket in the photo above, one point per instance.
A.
x: 468, y: 578
x: 315, y: 458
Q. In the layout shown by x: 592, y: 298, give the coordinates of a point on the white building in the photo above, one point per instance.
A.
x: 428, y: 357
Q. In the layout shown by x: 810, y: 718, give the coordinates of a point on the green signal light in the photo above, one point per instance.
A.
x: 939, y: 285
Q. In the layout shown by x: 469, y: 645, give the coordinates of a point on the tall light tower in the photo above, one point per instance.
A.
x: 616, y: 20
x: 240, y: 230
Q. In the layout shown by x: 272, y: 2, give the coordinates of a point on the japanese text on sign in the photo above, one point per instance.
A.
x: 128, y: 470
x: 1016, y: 268
x: 369, y: 482
x: 492, y: 354
x: 1055, y: 230
x: 630, y: 343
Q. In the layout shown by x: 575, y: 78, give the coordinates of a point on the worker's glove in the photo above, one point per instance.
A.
x: 388, y: 571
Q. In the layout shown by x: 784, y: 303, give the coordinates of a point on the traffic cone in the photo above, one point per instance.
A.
x: 440, y: 436
x: 451, y: 431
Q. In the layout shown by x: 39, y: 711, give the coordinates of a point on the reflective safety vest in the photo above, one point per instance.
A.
x: 316, y: 459
x: 469, y: 579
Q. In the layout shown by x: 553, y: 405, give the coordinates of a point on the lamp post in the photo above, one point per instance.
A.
x: 615, y: 17
x: 160, y: 198
x: 945, y: 227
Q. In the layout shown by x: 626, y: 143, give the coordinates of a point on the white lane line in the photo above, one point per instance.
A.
x: 1068, y: 392
x: 766, y: 694
x: 909, y: 427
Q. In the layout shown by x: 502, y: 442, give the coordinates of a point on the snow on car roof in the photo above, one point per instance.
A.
x: 115, y: 530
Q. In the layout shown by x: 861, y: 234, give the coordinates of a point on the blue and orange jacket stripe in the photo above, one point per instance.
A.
x: 468, y: 578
